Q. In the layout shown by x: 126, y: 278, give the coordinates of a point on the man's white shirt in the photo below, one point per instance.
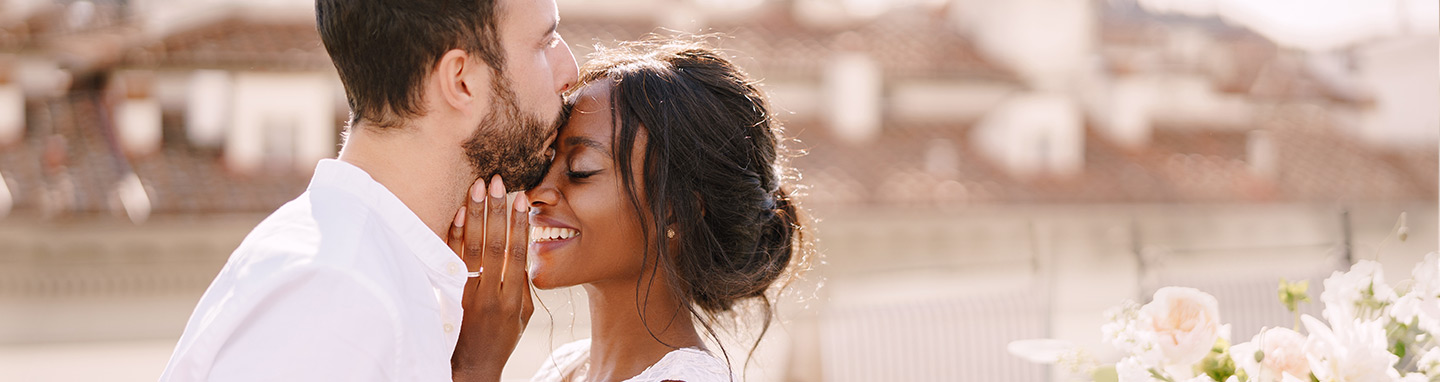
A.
x: 344, y: 283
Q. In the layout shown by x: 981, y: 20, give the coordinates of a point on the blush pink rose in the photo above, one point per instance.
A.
x: 1186, y: 323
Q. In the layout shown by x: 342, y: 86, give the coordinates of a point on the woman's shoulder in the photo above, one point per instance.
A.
x: 688, y: 365
x: 563, y: 361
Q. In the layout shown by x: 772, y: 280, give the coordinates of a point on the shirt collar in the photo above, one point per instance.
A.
x: 422, y: 242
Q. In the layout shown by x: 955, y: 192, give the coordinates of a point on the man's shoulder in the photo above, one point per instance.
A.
x: 306, y: 228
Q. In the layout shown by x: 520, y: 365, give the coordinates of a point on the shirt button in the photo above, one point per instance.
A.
x: 449, y: 328
x: 453, y: 268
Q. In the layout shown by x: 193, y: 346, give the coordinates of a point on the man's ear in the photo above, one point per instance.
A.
x: 462, y: 81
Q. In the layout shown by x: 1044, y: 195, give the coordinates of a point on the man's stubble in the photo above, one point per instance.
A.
x: 511, y: 142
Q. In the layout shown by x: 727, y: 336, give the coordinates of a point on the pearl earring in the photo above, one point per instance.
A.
x: 670, y: 233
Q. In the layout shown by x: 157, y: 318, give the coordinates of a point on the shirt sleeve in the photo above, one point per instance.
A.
x: 318, y: 324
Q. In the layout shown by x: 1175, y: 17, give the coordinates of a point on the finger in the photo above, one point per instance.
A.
x: 468, y: 295
x: 527, y: 306
x: 474, y: 227
x: 456, y: 238
x: 515, y: 281
x: 494, y: 250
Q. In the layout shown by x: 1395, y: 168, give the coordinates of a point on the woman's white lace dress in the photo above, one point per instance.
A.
x: 566, y: 364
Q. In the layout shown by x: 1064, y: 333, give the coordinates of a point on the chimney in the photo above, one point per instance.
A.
x: 12, y: 105
x: 853, y: 91
x: 137, y: 114
x: 207, y: 113
x: 1260, y: 153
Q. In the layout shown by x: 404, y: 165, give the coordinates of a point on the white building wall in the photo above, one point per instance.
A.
x: 265, y: 104
x: 1034, y: 134
x: 1404, y: 112
x: 12, y: 113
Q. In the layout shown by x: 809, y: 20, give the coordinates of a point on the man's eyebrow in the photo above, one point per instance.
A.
x: 554, y: 26
x: 587, y: 142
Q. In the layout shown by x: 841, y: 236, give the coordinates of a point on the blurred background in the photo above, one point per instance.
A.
x: 980, y: 171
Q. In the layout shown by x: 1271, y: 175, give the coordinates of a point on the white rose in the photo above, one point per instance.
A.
x: 1185, y: 321
x: 1283, y: 355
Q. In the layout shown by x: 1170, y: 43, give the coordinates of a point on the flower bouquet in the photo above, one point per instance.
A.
x: 1371, y: 331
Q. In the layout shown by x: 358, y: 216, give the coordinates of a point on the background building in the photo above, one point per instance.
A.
x: 981, y: 171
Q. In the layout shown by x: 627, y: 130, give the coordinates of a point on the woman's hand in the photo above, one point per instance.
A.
x: 497, y: 303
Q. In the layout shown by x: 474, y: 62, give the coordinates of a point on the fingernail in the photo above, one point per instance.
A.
x: 522, y: 203
x: 497, y: 187
x: 477, y: 191
x: 460, y: 217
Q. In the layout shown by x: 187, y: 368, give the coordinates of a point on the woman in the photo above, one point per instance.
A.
x: 666, y: 201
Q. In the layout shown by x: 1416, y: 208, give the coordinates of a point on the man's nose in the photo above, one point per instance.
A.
x: 568, y: 72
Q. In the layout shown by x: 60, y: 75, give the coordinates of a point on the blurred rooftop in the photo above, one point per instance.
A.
x: 1226, y: 114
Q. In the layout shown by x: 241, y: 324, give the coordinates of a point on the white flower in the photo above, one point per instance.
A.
x: 1413, y: 308
x: 1427, y: 276
x: 1282, y: 352
x: 1422, y: 303
x: 1186, y: 323
x: 1414, y: 377
x: 1348, y: 294
x: 1128, y: 331
x: 1291, y: 378
x: 1353, y: 351
x: 1430, y: 362
x: 1132, y: 369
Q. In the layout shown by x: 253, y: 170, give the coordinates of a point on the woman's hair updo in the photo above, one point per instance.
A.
x: 715, y: 170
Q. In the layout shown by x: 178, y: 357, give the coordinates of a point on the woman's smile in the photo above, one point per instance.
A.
x: 547, y: 235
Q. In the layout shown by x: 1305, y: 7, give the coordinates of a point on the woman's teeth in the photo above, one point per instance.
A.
x: 542, y: 234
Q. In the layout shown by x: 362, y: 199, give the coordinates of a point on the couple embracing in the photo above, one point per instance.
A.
x: 653, y: 177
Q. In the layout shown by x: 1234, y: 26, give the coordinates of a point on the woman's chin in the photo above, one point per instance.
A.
x: 541, y: 282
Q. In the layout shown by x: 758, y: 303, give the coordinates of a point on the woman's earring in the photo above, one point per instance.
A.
x: 670, y: 233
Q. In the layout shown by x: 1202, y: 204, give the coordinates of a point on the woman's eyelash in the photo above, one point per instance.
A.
x: 580, y: 174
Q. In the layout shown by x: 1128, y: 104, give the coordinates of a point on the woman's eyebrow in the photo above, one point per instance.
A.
x: 587, y: 142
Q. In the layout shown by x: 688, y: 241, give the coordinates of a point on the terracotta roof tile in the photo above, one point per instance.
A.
x: 235, y: 42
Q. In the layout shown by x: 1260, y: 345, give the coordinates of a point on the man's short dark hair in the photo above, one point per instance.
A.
x: 383, y: 49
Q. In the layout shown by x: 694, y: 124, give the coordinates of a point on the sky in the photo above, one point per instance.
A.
x: 1315, y: 25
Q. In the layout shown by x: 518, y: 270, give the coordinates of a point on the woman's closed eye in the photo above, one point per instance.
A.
x: 580, y: 175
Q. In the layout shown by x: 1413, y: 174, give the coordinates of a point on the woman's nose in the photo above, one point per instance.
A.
x: 543, y: 194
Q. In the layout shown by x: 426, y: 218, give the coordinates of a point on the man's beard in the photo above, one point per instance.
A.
x: 510, y: 142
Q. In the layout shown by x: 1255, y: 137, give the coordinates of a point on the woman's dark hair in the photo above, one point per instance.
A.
x: 715, y: 171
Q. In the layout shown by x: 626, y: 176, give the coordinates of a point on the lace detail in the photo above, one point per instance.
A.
x: 688, y: 365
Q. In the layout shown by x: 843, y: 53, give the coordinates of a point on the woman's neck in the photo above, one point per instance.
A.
x: 621, y: 347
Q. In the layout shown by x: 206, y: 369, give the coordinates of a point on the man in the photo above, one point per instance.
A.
x: 354, y: 280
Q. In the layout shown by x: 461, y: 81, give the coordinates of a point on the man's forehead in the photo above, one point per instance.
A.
x: 527, y: 14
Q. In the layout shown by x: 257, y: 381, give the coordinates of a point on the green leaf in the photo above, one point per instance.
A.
x: 1156, y: 374
x: 1294, y: 293
x: 1218, y: 365
x: 1105, y: 373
